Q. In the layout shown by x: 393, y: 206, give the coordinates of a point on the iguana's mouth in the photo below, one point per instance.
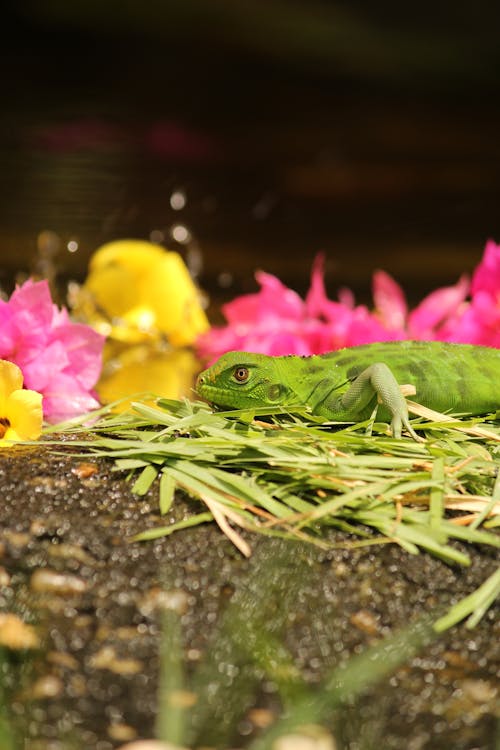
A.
x: 214, y: 395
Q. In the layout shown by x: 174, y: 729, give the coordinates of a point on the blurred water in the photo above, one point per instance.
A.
x: 376, y: 165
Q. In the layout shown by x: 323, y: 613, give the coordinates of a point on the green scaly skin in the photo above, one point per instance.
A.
x: 344, y: 386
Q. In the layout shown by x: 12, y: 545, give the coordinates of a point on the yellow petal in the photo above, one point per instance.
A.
x: 11, y: 379
x: 113, y: 290
x: 24, y: 412
x: 11, y: 436
x: 134, y: 255
x: 170, y: 291
x: 144, y: 292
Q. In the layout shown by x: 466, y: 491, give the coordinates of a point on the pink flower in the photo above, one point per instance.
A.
x: 486, y: 277
x: 58, y: 358
x: 275, y: 320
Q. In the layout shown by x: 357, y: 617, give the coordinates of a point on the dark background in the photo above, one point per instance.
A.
x: 369, y: 131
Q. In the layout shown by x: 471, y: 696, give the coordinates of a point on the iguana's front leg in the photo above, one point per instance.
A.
x: 378, y: 379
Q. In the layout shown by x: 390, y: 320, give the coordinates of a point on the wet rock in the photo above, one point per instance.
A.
x: 103, y: 637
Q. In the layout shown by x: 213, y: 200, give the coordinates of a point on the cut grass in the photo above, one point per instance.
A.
x: 293, y: 476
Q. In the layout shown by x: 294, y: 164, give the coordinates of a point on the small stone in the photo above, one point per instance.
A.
x: 18, y: 539
x: 62, y: 659
x: 479, y: 691
x: 4, y: 578
x: 38, y: 527
x: 48, y: 686
x: 306, y: 738
x: 122, y: 732
x: 151, y: 745
x: 16, y: 634
x: 158, y: 599
x: 106, y: 658
x: 70, y: 551
x: 455, y: 659
x: 84, y: 470
x: 341, y: 569
x: 366, y: 621
x: 261, y: 717
x: 47, y: 581
x: 77, y: 686
x: 181, y: 698
x: 126, y: 633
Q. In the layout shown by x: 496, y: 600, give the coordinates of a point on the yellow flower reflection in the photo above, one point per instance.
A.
x: 141, y: 368
x: 137, y: 291
x: 21, y: 413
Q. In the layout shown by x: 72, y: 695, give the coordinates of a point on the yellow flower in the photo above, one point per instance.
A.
x: 137, y: 291
x: 21, y: 413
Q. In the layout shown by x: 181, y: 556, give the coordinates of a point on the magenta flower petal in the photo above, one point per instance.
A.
x: 317, y: 303
x: 436, y: 309
x: 486, y: 277
x: 83, y: 348
x: 41, y: 369
x: 365, y: 329
x: 32, y: 308
x: 479, y: 323
x: 274, y: 300
x: 390, y: 301
x: 64, y: 398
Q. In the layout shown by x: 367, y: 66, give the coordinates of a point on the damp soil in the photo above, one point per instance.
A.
x: 95, y: 600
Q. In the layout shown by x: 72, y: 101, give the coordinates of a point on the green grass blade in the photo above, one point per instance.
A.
x: 145, y: 480
x: 436, y: 506
x: 167, y: 491
x: 170, y: 722
x: 475, y: 605
x: 160, y: 531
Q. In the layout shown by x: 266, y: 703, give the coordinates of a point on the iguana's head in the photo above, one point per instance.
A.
x: 241, y: 379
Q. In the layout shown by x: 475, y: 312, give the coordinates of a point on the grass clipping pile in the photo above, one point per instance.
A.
x: 292, y: 476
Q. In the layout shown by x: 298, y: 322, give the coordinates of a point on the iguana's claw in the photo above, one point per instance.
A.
x: 398, y: 422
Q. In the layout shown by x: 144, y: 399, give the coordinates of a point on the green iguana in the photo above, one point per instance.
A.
x: 344, y: 385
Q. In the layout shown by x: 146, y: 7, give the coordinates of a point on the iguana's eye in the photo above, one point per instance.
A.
x: 241, y: 374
